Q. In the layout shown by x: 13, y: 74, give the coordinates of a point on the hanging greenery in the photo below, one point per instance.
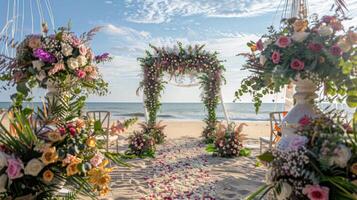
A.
x: 177, y: 62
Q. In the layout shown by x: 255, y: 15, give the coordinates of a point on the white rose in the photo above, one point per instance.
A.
x: 3, y: 160
x: 41, y: 75
x: 285, y: 192
x: 262, y: 59
x: 33, y: 167
x: 342, y: 156
x: 72, y: 63
x: 3, y: 181
x: 299, y: 36
x: 82, y: 61
x: 325, y: 30
x: 66, y: 49
x: 38, y: 64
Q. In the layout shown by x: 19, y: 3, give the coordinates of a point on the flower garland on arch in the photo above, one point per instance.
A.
x: 180, y: 61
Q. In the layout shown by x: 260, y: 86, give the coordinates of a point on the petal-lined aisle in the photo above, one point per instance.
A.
x: 182, y: 169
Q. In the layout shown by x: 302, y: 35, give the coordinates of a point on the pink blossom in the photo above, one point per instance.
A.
x: 75, y: 41
x: 275, y: 57
x: 283, y: 41
x: 56, y: 68
x: 96, y: 160
x: 14, y: 167
x: 68, y: 159
x: 297, y: 141
x: 335, y: 50
x: 83, y: 50
x: 297, y: 64
x: 62, y: 130
x: 305, y: 121
x: 316, y: 192
x: 260, y: 45
x: 315, y: 47
x: 72, y: 131
x: 81, y: 73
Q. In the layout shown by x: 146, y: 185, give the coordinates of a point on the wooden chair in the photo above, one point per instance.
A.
x: 275, y: 130
x: 104, y: 118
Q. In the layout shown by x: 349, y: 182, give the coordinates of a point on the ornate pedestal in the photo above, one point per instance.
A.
x: 304, y: 97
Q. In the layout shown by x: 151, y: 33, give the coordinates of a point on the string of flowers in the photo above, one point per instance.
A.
x: 177, y: 62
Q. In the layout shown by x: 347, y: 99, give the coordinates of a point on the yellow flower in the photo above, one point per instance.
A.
x: 104, y: 191
x: 354, y: 168
x: 91, y: 142
x: 54, y: 136
x: 48, y: 176
x: 253, y: 47
x: 300, y: 25
x: 72, y: 168
x: 49, y: 156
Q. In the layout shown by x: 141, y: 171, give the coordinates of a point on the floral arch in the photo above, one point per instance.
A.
x: 177, y: 62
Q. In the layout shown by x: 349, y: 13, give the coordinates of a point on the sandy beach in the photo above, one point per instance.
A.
x: 182, y: 169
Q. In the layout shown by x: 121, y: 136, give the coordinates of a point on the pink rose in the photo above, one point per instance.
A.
x: 96, y: 160
x: 72, y: 131
x: 260, y: 45
x: 75, y: 41
x: 316, y: 192
x: 83, y: 50
x: 14, y: 167
x: 327, y: 19
x: 62, y: 130
x: 275, y: 57
x: 297, y: 65
x: 315, y: 47
x: 305, y: 121
x: 283, y: 41
x: 81, y: 73
x: 335, y: 50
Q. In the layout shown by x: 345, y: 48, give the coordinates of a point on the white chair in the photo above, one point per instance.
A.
x: 275, y: 130
x: 104, y: 118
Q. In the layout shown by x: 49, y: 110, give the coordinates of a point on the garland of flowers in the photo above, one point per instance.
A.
x: 322, y: 51
x: 178, y: 62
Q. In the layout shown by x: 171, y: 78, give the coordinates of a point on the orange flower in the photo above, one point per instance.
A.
x: 80, y: 123
x: 49, y: 156
x: 253, y: 47
x: 48, y: 176
x: 72, y: 168
x: 300, y: 25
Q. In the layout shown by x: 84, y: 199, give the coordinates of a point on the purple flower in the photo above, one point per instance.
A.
x: 297, y: 141
x: 44, y: 56
x: 101, y: 58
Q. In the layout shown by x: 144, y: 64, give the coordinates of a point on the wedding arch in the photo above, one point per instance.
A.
x: 178, y: 62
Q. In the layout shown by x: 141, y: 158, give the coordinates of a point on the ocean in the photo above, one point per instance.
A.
x: 180, y: 111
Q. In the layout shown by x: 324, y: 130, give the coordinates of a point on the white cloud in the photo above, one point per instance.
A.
x: 160, y: 11
x: 124, y: 31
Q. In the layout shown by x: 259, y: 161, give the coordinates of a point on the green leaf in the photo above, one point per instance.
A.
x: 352, y: 101
x: 245, y: 152
x: 97, y: 126
x: 267, y: 156
x: 210, y: 148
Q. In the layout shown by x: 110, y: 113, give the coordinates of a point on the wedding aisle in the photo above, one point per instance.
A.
x: 182, y: 169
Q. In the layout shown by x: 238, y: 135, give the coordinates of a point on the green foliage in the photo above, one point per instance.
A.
x: 266, y: 157
x: 211, y: 148
x: 245, y: 152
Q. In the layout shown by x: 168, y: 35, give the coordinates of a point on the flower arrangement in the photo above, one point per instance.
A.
x: 319, y: 162
x: 59, y: 61
x: 320, y: 50
x: 229, y: 141
x: 51, y: 152
x: 141, y: 144
x: 177, y: 62
x: 155, y: 131
x: 119, y: 127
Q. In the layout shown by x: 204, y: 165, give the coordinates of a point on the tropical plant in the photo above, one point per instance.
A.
x: 141, y: 144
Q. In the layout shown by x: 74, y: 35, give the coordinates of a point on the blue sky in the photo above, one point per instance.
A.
x: 130, y: 25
